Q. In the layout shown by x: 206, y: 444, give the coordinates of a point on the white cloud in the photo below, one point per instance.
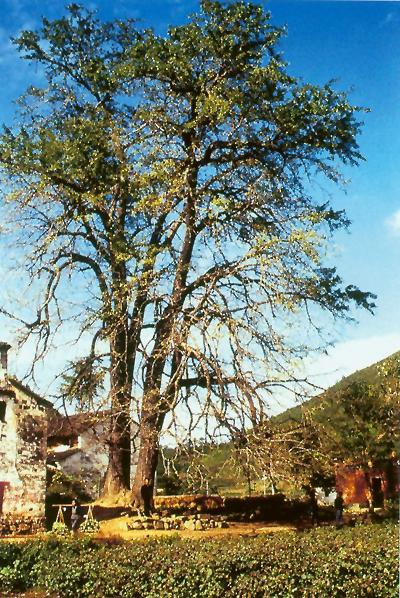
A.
x: 390, y: 18
x: 393, y: 223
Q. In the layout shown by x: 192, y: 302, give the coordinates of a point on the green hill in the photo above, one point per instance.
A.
x: 349, y: 419
x: 323, y: 405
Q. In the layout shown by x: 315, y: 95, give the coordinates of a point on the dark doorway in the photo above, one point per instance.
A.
x: 377, y: 492
x: 2, y: 411
x: 2, y: 488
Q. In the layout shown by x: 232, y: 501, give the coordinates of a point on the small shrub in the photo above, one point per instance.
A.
x: 59, y: 529
x: 90, y: 526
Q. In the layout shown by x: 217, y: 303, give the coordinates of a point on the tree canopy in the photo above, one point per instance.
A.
x: 171, y: 175
x: 365, y: 429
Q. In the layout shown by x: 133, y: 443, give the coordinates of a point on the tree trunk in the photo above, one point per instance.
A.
x: 117, y: 478
x: 150, y: 426
x: 147, y: 459
x: 154, y: 406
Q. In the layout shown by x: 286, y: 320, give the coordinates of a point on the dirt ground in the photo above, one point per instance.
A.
x: 117, y: 527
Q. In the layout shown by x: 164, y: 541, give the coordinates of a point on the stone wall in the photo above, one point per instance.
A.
x: 19, y: 525
x: 22, y: 453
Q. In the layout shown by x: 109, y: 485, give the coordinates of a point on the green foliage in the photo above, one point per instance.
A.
x: 89, y: 526
x: 61, y: 485
x: 174, y: 471
x: 355, y: 420
x: 171, y: 484
x: 83, y: 382
x: 370, y: 376
x: 359, y: 414
x: 269, y: 457
x: 360, y: 425
x: 352, y: 563
x: 59, y: 529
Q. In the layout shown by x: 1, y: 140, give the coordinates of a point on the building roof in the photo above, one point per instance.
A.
x: 65, y: 426
x: 10, y: 383
x: 56, y: 456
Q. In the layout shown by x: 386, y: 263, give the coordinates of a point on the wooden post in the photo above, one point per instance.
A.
x: 60, y: 515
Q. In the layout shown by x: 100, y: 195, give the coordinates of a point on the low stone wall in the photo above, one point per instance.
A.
x: 21, y: 526
x: 189, y: 502
x: 176, y: 522
x: 273, y: 507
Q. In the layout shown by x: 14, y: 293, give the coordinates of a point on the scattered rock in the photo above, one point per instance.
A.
x: 190, y: 523
x: 134, y: 525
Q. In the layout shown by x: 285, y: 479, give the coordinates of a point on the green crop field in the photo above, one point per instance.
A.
x: 348, y: 563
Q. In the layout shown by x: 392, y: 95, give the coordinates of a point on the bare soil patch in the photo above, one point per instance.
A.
x: 117, y: 527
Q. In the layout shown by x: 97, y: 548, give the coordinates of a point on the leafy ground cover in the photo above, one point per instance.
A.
x: 353, y: 562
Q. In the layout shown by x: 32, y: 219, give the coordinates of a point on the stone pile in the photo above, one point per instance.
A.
x: 177, y: 522
x: 20, y: 525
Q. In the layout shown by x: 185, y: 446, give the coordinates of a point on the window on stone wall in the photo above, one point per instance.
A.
x: 2, y: 411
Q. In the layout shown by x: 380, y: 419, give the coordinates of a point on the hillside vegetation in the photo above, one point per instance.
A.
x: 354, y: 420
x: 324, y: 405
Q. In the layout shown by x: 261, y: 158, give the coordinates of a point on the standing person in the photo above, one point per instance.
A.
x: 313, y: 507
x: 76, y: 515
x: 339, y: 506
x: 146, y: 492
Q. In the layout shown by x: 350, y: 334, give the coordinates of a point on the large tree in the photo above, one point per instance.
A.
x: 365, y: 426
x: 173, y: 173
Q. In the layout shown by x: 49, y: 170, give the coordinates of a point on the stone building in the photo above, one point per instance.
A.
x: 34, y: 436
x: 23, y: 433
x: 77, y: 445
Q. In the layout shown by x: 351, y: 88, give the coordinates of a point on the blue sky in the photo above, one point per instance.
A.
x: 358, y: 44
